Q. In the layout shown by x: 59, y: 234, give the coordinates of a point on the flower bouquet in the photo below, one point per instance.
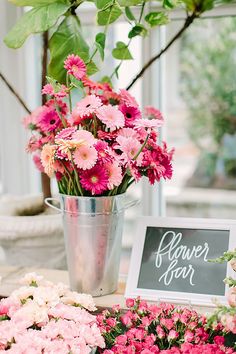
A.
x: 96, y: 150
x: 102, y: 145
x: 163, y: 328
x: 41, y: 317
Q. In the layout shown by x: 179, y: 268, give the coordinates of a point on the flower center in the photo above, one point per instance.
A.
x: 88, y: 105
x: 128, y: 115
x: 94, y: 179
x: 52, y: 121
x: 84, y: 156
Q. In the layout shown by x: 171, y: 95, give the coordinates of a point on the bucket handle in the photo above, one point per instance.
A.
x: 48, y: 202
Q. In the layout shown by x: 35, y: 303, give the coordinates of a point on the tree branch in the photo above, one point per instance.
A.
x: 189, y: 20
x: 13, y: 91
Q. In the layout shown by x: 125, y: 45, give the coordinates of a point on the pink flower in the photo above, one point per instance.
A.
x: 127, y: 99
x: 121, y: 340
x: 129, y: 147
x: 153, y: 113
x: 87, y: 106
x: 147, y: 123
x: 48, y: 120
x: 219, y: 340
x: 126, y: 319
x: 173, y: 335
x: 30, y: 121
x: 160, y: 332
x: 167, y: 322
x: 85, y: 157
x: 104, y: 152
x: 131, y: 114
x: 114, y: 172
x: 38, y: 163
x: 48, y: 158
x: 94, y: 180
x: 85, y: 136
x: 188, y: 336
x: 75, y: 66
x: 130, y: 303
x: 232, y: 297
x: 65, y: 133
x: 111, y: 322
x: 110, y: 116
x: 49, y: 90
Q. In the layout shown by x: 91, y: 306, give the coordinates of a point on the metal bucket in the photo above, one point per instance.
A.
x: 93, y: 232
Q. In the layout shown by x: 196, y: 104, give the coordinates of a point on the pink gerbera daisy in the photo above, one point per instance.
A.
x: 127, y: 99
x: 104, y: 152
x: 130, y: 148
x: 49, y: 90
x: 48, y: 158
x: 87, y: 106
x: 114, y: 175
x: 85, y: 157
x: 131, y: 114
x: 66, y: 133
x: 153, y: 113
x: 95, y: 180
x: 148, y: 123
x: 48, y: 120
x: 110, y: 116
x: 75, y: 66
x: 84, y: 135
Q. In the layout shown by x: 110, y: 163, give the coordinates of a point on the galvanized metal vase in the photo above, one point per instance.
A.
x: 93, y: 232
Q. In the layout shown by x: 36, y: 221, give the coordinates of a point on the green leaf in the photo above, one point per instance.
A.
x: 37, y: 20
x: 156, y: 19
x: 100, y: 41
x: 103, y: 3
x: 125, y: 3
x: 138, y: 30
x: 76, y: 83
x: 91, y: 68
x: 106, y: 79
x: 66, y: 40
x: 109, y: 15
x: 35, y: 3
x: 121, y: 51
x: 171, y: 4
x: 129, y: 14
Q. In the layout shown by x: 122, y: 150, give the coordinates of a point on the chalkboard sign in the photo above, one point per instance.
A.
x: 170, y: 259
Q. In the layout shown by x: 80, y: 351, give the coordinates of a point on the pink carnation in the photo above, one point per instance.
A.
x: 111, y: 117
x: 75, y: 66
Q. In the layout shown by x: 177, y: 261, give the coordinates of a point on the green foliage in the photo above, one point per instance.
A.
x: 125, y: 3
x: 35, y: 3
x: 109, y: 14
x: 156, y: 18
x: 138, y: 30
x: 121, y: 51
x: 100, y: 42
x: 38, y: 19
x: 227, y: 256
x: 129, y: 14
x: 67, y: 39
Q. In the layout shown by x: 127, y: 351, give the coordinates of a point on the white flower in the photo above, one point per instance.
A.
x: 84, y: 300
x: 30, y: 278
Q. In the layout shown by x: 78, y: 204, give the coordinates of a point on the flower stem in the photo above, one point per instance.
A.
x: 68, y: 85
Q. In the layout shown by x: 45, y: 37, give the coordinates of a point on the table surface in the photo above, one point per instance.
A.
x: 10, y: 277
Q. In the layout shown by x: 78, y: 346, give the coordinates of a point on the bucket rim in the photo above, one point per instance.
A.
x: 93, y: 197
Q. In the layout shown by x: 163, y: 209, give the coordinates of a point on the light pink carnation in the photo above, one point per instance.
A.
x: 85, y: 157
x: 111, y: 117
x: 75, y: 66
